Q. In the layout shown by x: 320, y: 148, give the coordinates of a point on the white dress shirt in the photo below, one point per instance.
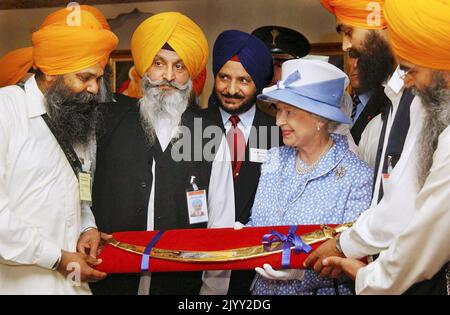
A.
x: 40, y: 208
x: 377, y: 227
x: 221, y: 209
x: 245, y: 123
x: 368, y: 144
x: 421, y: 249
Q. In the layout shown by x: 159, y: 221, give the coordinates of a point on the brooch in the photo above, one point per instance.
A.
x: 340, y: 171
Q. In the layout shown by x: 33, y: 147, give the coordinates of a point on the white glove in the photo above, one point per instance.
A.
x: 238, y: 225
x: 287, y: 274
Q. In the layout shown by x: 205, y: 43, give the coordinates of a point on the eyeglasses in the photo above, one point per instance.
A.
x: 402, y: 73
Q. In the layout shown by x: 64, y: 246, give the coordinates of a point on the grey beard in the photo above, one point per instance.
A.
x: 157, y: 104
x: 74, y: 115
x: 436, y: 101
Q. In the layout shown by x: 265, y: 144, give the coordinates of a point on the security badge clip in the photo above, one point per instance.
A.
x: 196, y: 203
x: 388, y: 170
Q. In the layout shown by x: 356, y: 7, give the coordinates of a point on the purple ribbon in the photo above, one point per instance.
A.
x: 291, y: 239
x: 145, y: 263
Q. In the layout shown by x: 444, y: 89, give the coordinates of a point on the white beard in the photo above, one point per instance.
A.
x: 436, y: 101
x: 162, y: 107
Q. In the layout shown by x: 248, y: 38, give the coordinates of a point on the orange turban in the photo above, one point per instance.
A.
x: 59, y: 48
x: 366, y: 14
x: 420, y: 31
x: 61, y: 16
x: 180, y: 32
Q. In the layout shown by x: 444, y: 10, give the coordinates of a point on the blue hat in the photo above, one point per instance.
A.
x: 311, y: 85
x: 253, y: 54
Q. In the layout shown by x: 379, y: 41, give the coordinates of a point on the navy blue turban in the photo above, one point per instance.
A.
x: 253, y: 54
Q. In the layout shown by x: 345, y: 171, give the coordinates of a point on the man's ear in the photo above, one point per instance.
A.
x: 50, y: 78
x: 447, y: 78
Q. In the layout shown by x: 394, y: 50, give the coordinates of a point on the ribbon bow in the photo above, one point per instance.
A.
x: 281, y: 85
x: 291, y: 239
x: 328, y: 92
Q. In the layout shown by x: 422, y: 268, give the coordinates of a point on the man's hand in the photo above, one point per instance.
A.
x: 89, y: 242
x: 348, y: 265
x: 315, y: 259
x: 84, y: 262
x: 288, y: 274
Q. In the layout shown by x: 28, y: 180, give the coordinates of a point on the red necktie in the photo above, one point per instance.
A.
x: 236, y: 143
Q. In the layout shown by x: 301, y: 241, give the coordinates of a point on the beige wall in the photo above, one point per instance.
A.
x: 214, y: 16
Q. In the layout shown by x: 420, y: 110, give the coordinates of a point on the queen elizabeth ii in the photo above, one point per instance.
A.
x: 314, y: 178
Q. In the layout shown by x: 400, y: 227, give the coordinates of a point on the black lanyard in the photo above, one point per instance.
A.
x: 66, y: 147
x: 68, y: 150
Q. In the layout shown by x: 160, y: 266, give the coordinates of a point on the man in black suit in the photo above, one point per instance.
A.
x: 368, y: 95
x: 242, y: 67
x: 142, y: 179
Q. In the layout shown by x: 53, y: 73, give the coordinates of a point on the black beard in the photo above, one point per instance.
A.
x: 242, y: 109
x: 375, y: 62
x: 74, y: 116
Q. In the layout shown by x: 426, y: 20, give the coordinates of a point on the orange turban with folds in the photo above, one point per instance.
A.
x: 62, y: 15
x: 180, y: 32
x: 60, y: 47
x: 366, y: 14
x: 420, y: 31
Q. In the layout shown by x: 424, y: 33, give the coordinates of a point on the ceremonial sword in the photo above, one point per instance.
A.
x: 324, y: 233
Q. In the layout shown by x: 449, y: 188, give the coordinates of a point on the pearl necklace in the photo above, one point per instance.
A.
x: 301, y: 170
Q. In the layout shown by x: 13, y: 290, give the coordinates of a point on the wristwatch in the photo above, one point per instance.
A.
x: 338, y: 244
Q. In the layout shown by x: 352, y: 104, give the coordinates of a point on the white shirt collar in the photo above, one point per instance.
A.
x: 164, y: 132
x: 34, y: 98
x: 395, y: 86
x: 246, y: 118
x: 396, y: 83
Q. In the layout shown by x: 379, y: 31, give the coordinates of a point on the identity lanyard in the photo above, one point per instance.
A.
x: 68, y: 150
x: 84, y: 178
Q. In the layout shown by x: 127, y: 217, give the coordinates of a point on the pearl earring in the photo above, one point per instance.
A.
x: 318, y: 128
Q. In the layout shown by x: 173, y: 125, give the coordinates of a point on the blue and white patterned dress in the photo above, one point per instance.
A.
x: 336, y: 191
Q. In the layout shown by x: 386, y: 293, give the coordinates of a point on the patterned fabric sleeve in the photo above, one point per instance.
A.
x: 360, y: 193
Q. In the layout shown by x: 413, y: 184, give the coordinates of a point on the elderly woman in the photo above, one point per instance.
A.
x: 314, y: 178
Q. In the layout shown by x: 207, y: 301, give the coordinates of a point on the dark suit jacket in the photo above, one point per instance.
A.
x: 374, y: 106
x: 247, y: 182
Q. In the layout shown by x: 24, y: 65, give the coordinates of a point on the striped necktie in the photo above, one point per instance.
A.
x: 356, y: 102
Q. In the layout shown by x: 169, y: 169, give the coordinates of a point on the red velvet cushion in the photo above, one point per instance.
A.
x: 118, y: 261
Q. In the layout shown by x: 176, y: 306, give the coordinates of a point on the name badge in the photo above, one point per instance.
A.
x: 197, y: 206
x: 258, y: 155
x: 84, y: 181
